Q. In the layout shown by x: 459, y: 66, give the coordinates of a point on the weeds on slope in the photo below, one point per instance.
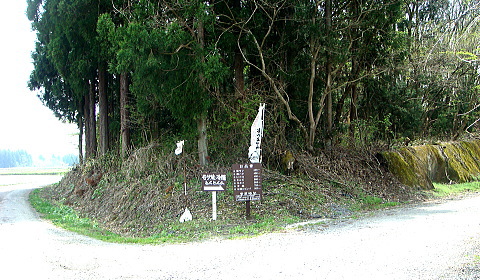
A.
x: 140, y: 199
x: 173, y: 232
x: 203, y: 228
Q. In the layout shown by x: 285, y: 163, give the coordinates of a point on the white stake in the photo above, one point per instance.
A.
x: 214, y: 205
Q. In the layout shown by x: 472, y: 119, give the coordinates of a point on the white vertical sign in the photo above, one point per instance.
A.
x: 187, y: 215
x: 179, y: 148
x: 254, y: 151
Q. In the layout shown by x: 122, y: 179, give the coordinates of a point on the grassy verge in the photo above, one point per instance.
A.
x: 173, y: 232
x: 202, y: 228
x: 176, y: 232
x: 443, y: 190
x: 65, y: 217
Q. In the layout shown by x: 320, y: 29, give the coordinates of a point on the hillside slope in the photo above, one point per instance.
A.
x: 145, y: 195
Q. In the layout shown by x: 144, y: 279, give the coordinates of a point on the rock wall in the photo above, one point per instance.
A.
x: 420, y: 166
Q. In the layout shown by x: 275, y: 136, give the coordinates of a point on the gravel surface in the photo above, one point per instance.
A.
x: 436, y: 240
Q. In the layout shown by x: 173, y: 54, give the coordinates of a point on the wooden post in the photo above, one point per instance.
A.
x: 247, y: 210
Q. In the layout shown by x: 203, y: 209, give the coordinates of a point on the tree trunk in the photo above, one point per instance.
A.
x: 355, y: 69
x: 328, y: 72
x: 340, y: 105
x: 80, y: 138
x: 239, y: 78
x: 328, y: 100
x: 353, y: 104
x: 87, y: 124
x: 124, y: 115
x: 103, y: 111
x: 202, y: 120
x: 90, y: 124
x: 238, y: 63
x: 202, y: 140
x: 311, y: 90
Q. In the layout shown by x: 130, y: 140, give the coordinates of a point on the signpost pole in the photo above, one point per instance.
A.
x: 214, y: 205
x: 247, y: 210
x: 214, y: 182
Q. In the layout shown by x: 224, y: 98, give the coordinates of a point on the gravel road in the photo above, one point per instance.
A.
x: 436, y: 240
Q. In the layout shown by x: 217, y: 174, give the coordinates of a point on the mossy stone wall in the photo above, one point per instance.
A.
x: 420, y: 166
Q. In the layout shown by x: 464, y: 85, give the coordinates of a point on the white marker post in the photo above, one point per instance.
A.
x: 214, y: 205
x: 214, y: 182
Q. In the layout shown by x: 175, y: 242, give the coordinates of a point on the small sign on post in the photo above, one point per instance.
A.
x: 214, y: 182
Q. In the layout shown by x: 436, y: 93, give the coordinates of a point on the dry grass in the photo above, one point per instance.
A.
x: 144, y: 195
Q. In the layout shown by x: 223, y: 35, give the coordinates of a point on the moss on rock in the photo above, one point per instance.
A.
x: 463, y: 160
x: 406, y: 167
x: 419, y: 166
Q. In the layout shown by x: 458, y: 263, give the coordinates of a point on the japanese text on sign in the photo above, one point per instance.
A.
x: 247, y: 181
x: 214, y: 181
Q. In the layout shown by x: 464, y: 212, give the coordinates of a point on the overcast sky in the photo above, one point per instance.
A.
x: 25, y: 123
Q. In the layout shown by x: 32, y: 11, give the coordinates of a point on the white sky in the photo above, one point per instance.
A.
x: 25, y: 123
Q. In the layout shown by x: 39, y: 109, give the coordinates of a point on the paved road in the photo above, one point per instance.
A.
x: 429, y: 241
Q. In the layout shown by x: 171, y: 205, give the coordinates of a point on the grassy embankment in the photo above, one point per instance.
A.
x: 176, y: 232
x: 201, y: 229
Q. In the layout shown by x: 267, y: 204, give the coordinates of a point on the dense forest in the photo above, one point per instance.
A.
x: 332, y: 73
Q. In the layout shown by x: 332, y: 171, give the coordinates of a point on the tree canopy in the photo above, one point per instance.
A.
x: 331, y: 72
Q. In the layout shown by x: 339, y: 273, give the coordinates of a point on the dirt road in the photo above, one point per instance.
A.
x: 430, y: 241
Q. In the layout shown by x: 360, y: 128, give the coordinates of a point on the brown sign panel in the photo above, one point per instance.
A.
x: 247, y: 181
x: 214, y: 182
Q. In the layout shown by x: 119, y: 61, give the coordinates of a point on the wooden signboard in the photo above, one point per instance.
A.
x: 247, y: 181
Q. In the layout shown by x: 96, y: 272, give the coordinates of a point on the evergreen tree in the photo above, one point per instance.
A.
x: 330, y: 71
